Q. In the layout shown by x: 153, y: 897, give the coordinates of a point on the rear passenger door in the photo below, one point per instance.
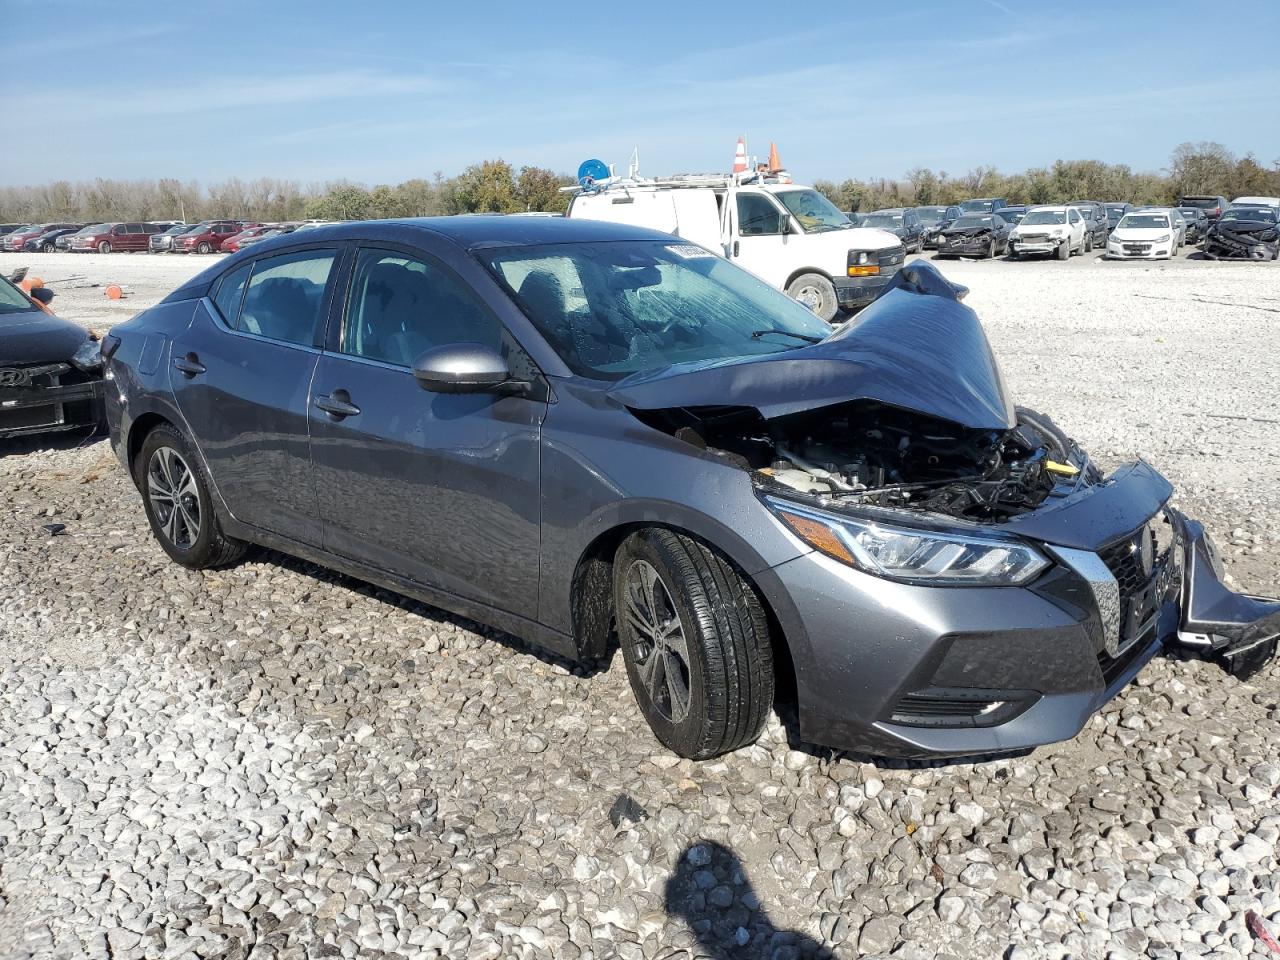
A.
x: 438, y: 488
x: 242, y: 377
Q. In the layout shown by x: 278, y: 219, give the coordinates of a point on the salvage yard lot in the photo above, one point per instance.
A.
x: 275, y: 757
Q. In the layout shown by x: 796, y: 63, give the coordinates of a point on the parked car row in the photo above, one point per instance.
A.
x: 989, y: 226
x: 164, y: 236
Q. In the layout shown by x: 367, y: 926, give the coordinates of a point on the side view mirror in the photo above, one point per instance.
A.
x: 465, y: 368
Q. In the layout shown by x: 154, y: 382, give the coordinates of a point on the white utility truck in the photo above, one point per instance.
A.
x: 788, y: 235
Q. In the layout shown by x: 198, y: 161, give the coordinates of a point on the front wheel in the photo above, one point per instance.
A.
x: 175, y: 495
x: 104, y: 247
x: 695, y: 640
x: 47, y: 248
x: 204, y: 247
x: 1064, y: 250
x: 816, y: 292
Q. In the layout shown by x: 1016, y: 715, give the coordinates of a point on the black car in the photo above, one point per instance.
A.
x: 1013, y: 214
x: 1213, y: 207
x: 50, y: 368
x: 1096, y: 224
x: 903, y: 222
x: 1115, y: 212
x: 983, y: 205
x: 47, y: 242
x: 934, y: 220
x: 1197, y: 223
x: 975, y: 235
x: 1244, y: 233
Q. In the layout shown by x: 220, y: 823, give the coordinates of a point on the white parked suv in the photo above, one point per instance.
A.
x: 1144, y: 235
x: 1048, y: 231
x: 790, y: 236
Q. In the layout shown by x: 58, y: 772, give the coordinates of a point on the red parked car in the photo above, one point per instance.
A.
x: 17, y: 240
x: 209, y: 239
x: 114, y: 237
x: 234, y: 242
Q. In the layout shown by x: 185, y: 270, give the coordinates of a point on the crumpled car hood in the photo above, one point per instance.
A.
x: 34, y: 336
x: 916, y: 347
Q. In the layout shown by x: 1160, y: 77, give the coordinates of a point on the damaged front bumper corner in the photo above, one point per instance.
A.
x: 1240, y: 630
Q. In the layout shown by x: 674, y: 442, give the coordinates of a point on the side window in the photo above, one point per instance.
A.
x: 285, y: 295
x: 230, y: 292
x: 1075, y: 217
x: 757, y: 216
x: 402, y: 306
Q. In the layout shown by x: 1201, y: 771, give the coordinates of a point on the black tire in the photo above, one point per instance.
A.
x: 1064, y: 250
x: 209, y: 546
x: 104, y: 247
x: 203, y: 247
x: 1088, y: 244
x: 728, y: 676
x: 1013, y: 254
x: 47, y: 248
x: 816, y: 292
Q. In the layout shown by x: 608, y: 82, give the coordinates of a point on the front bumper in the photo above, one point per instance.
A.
x: 1139, y: 251
x: 977, y: 247
x: 893, y: 669
x: 853, y: 293
x: 49, y: 409
x: 1232, y: 248
x: 1033, y: 247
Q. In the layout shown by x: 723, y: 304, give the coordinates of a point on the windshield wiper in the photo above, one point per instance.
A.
x: 757, y: 334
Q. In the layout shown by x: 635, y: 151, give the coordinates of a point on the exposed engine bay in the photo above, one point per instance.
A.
x: 866, y: 452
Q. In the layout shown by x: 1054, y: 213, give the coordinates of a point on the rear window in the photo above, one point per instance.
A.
x: 284, y: 296
x: 230, y: 292
x: 1204, y: 203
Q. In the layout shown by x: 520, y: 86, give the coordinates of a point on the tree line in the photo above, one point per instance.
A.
x: 495, y: 186
x: 1194, y: 168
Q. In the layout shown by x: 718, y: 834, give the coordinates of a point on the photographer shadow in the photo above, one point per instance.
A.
x: 712, y: 894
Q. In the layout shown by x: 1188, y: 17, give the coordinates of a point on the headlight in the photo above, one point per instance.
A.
x: 1164, y: 239
x: 860, y: 258
x: 911, y: 555
x: 88, y: 357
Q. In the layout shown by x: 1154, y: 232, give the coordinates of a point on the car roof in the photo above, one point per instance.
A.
x: 472, y: 231
x: 892, y: 210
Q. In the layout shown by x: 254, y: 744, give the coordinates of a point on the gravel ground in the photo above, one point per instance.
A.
x: 275, y: 761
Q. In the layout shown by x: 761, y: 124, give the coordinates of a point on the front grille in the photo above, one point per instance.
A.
x: 22, y: 418
x: 1034, y: 237
x: 892, y: 256
x: 1146, y: 565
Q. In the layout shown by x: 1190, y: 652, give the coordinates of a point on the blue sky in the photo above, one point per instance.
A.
x: 378, y: 91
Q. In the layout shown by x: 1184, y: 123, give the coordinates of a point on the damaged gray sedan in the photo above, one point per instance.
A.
x: 576, y: 431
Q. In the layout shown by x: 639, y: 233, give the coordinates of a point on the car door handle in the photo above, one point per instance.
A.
x: 338, y: 405
x: 190, y: 365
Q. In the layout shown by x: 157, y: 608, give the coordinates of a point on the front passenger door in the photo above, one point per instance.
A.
x: 439, y: 488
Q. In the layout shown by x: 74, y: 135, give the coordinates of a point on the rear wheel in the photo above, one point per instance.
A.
x: 175, y: 495
x: 695, y: 640
x: 816, y: 292
x: 104, y: 247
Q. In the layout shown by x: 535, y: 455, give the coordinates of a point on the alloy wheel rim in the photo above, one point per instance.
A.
x: 171, y: 488
x: 659, y: 644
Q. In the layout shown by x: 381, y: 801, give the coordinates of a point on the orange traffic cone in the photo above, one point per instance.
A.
x: 774, y: 163
x: 740, y: 157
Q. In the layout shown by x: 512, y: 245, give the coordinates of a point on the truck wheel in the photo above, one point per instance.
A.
x: 104, y: 247
x: 695, y: 640
x: 816, y: 292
